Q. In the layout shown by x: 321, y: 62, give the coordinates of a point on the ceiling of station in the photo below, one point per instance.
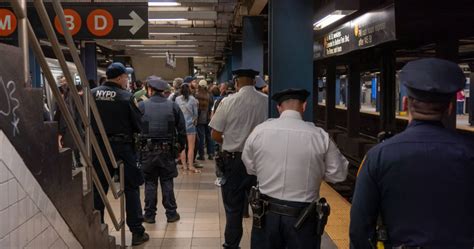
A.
x: 192, y: 28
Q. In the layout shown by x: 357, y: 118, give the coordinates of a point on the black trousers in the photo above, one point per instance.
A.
x: 278, y: 232
x: 159, y: 166
x: 234, y: 191
x: 133, y: 180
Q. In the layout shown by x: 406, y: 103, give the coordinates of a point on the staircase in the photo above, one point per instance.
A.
x: 21, y: 119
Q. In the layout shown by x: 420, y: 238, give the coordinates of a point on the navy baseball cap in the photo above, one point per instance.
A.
x: 260, y: 83
x: 292, y: 93
x: 188, y: 79
x: 432, y: 80
x: 157, y: 83
x: 116, y: 69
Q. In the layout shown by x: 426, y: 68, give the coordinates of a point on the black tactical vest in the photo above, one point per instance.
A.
x: 158, y: 119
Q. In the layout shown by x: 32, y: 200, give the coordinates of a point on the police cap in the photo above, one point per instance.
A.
x: 260, y: 83
x: 432, y: 80
x: 157, y: 83
x: 116, y: 69
x: 292, y: 93
x: 244, y: 72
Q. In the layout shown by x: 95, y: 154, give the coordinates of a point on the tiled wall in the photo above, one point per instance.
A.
x: 28, y: 218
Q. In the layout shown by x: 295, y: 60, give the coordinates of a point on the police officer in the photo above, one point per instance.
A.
x: 235, y: 118
x: 121, y: 118
x: 419, y: 182
x: 164, y: 126
x: 290, y: 158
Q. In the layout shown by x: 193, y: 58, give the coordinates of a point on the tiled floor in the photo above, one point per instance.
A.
x: 202, y: 217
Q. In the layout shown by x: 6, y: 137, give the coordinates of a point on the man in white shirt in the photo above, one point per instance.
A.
x: 290, y: 158
x: 234, y: 120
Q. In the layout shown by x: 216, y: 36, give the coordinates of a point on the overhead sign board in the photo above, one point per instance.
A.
x: 86, y: 21
x: 370, y: 29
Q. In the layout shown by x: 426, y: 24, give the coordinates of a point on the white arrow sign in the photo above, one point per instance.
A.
x: 136, y: 22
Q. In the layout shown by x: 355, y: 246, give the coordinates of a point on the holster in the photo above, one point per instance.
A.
x: 258, y: 205
x: 220, y: 161
x: 319, y: 210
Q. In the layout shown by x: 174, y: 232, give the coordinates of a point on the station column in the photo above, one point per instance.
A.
x: 471, y: 95
x: 449, y: 50
x: 291, y: 48
x: 252, y: 44
x: 387, y: 90
x: 236, y: 55
x: 353, y: 107
x: 89, y: 60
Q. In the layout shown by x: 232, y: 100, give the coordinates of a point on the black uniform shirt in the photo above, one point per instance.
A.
x: 422, y: 183
x: 118, y: 110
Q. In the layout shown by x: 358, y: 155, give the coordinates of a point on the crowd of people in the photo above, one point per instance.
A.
x: 277, y: 165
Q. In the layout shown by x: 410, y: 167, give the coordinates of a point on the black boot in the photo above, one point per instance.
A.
x: 174, y: 218
x: 138, y: 239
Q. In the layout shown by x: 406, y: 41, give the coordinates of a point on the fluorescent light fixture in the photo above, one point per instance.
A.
x: 163, y: 4
x: 167, y: 19
x: 136, y: 45
x: 328, y: 20
x: 171, y: 33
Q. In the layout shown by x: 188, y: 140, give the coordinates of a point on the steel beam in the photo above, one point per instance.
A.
x: 179, y: 30
x: 189, y: 15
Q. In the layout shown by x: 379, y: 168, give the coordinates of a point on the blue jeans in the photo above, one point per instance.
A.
x: 459, y: 107
x: 204, y: 138
x: 133, y: 180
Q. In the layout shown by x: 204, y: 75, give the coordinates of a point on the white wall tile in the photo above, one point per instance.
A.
x: 4, y: 203
x: 5, y: 242
x: 59, y: 244
x: 5, y: 225
x: 5, y: 174
x: 24, y: 203
x: 44, y: 241
x: 12, y: 192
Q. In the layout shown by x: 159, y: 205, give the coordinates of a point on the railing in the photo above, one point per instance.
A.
x: 84, y: 109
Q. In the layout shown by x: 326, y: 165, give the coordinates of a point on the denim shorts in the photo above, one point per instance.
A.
x: 191, y: 130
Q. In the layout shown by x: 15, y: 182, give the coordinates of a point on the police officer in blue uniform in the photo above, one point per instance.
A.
x: 164, y: 126
x: 419, y: 183
x: 122, y: 119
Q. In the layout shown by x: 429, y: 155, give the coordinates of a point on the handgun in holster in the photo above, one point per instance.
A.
x: 320, y: 210
x: 258, y: 205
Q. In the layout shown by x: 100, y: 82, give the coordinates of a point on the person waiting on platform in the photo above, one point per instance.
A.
x: 290, y: 158
x: 121, y: 118
x: 204, y: 133
x: 163, y: 127
x: 233, y: 121
x: 189, y: 107
x: 417, y: 187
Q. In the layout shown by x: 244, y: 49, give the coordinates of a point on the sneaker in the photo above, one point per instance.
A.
x: 149, y: 220
x: 198, y: 166
x: 174, y: 219
x: 218, y: 182
x: 138, y: 239
x: 200, y: 158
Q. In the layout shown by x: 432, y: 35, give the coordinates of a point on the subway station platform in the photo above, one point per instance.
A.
x: 203, y: 218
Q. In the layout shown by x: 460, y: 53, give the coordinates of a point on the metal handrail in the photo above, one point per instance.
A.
x: 119, y: 225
